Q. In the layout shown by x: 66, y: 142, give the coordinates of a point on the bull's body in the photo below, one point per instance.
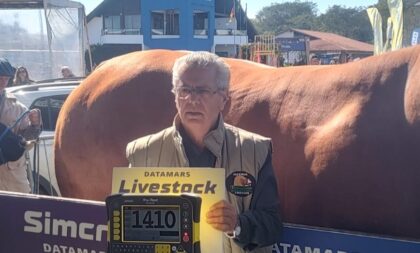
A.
x: 346, y: 138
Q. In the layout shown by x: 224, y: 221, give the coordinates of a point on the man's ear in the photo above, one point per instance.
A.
x: 225, y: 100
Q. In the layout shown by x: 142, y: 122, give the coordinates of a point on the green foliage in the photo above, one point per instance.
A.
x: 278, y: 18
x: 349, y: 22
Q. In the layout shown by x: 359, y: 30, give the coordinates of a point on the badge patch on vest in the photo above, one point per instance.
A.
x: 240, y: 183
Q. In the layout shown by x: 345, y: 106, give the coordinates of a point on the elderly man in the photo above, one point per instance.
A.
x: 13, y: 176
x: 199, y: 138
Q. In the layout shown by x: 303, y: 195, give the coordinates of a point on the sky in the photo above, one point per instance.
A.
x: 256, y: 5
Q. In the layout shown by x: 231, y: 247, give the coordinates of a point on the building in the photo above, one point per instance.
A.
x: 327, y: 46
x: 121, y: 26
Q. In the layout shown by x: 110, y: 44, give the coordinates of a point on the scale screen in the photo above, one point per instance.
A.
x: 151, y: 223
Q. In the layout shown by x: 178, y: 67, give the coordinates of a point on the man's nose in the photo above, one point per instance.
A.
x: 194, y: 95
x: 193, y: 98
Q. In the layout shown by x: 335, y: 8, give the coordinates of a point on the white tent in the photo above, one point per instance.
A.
x: 43, y: 36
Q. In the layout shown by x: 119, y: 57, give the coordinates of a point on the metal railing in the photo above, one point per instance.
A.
x: 127, y: 31
x: 40, y: 181
x: 230, y: 32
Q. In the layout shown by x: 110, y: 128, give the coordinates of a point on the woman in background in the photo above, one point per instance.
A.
x: 21, y: 77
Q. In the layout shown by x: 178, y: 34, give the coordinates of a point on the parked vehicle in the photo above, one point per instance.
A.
x: 47, y: 96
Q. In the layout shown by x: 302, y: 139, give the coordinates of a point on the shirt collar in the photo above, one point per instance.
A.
x: 213, y: 140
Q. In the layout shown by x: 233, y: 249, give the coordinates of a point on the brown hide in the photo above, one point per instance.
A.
x: 346, y: 137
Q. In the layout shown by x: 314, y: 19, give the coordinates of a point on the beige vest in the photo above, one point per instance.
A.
x: 235, y: 150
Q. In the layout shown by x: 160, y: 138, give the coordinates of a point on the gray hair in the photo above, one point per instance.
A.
x: 202, y: 59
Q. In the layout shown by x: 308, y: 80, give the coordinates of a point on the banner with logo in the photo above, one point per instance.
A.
x: 208, y: 183
x: 41, y: 224
x: 305, y: 239
x: 291, y: 44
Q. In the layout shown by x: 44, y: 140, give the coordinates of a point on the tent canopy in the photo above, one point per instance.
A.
x: 44, y: 36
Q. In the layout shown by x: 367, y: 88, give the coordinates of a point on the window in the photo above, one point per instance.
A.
x: 201, y: 23
x: 165, y: 22
x: 49, y: 107
x: 132, y: 24
x: 112, y: 24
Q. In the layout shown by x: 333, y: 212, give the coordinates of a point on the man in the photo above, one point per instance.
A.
x: 315, y: 60
x: 66, y: 72
x: 13, y: 176
x: 199, y: 138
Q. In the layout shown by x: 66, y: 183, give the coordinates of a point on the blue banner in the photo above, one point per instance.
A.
x: 38, y: 224
x: 291, y: 44
x: 302, y: 239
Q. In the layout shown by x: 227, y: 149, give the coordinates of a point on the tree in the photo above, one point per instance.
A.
x: 278, y: 18
x: 349, y: 22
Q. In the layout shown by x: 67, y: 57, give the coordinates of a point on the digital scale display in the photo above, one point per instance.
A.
x: 151, y: 224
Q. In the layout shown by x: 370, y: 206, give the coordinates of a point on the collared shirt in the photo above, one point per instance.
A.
x: 196, y: 157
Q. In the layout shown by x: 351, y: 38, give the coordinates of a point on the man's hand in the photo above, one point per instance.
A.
x: 222, y: 216
x: 35, y: 117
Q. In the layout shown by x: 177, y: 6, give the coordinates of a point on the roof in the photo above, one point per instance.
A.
x: 95, y: 12
x: 323, y: 41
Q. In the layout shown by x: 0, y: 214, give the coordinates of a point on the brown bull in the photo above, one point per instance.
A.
x: 346, y: 137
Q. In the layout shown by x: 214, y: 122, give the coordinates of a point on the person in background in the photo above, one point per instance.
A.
x: 314, y: 60
x: 13, y: 176
x: 250, y: 217
x: 21, y: 77
x: 66, y: 72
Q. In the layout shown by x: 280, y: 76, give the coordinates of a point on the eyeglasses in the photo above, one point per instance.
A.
x: 186, y: 91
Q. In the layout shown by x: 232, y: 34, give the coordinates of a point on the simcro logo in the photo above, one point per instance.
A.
x: 41, y: 222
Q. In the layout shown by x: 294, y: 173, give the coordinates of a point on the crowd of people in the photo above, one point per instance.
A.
x: 18, y: 125
x: 316, y: 60
x: 21, y: 75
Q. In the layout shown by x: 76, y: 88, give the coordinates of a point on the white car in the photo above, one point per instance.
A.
x: 48, y: 97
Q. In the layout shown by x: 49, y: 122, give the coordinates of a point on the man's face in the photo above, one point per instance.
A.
x: 314, y: 61
x: 22, y: 73
x: 3, y: 82
x: 198, y: 100
x: 66, y: 73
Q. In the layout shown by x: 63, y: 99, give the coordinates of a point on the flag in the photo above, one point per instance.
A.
x: 396, y: 11
x: 232, y: 12
x: 376, y: 22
